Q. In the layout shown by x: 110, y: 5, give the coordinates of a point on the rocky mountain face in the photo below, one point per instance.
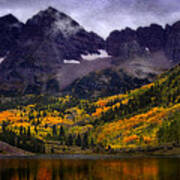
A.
x: 10, y: 30
x: 137, y: 56
x: 52, y: 53
x: 47, y: 41
x: 110, y: 81
x: 65, y: 33
x: 145, y: 41
x: 172, y: 45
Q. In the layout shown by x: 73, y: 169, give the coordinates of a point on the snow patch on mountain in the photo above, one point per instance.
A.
x: 56, y: 22
x: 65, y: 25
x: 71, y: 61
x: 2, y: 59
x: 91, y: 57
x: 147, y: 49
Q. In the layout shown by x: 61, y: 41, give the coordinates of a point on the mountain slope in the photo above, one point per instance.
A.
x: 144, y: 120
x: 8, y: 150
x: 10, y: 30
x: 140, y: 54
x: 104, y: 83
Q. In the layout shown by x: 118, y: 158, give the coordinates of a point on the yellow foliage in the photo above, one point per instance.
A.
x: 124, y: 131
x: 125, y: 101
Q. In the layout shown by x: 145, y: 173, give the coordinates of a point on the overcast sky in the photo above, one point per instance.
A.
x: 101, y: 16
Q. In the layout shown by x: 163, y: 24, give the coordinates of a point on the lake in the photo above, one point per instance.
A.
x: 89, y: 168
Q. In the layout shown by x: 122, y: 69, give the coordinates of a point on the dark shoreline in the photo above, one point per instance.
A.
x: 85, y: 156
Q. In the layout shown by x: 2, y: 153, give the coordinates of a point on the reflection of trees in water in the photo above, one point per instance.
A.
x: 129, y: 169
x: 89, y: 169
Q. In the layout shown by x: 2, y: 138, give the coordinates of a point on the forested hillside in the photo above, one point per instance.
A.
x: 144, y: 118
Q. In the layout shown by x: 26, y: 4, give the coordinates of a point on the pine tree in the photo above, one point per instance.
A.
x: 62, y: 132
x: 29, y: 131
x: 24, y: 131
x: 92, y: 142
x: 70, y: 140
x: 21, y: 131
x: 78, y: 140
x: 35, y: 129
x: 54, y: 130
x: 85, y: 141
x: 4, y: 126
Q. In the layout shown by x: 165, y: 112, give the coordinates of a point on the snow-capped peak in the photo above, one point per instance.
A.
x: 65, y: 25
x: 55, y: 22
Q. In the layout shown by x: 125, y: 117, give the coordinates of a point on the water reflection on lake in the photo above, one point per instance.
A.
x: 61, y: 169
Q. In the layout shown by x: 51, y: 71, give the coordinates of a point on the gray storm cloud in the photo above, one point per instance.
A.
x: 101, y: 16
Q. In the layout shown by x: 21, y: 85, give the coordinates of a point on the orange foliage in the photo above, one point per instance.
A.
x: 147, y: 140
x: 99, y: 111
x: 102, y: 103
x: 130, y: 139
x: 10, y: 115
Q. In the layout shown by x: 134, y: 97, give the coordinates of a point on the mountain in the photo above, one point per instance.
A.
x: 172, y: 49
x: 54, y: 54
x: 128, y: 43
x: 137, y: 57
x: 10, y: 30
x: 49, y: 41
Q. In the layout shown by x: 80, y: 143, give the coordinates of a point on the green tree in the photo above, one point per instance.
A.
x: 85, y: 141
x: 70, y: 140
x: 4, y: 126
x: 62, y: 135
x: 62, y: 132
x: 54, y: 130
x: 36, y: 130
x: 29, y: 132
x: 78, y: 140
x: 92, y: 142
x: 21, y: 131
